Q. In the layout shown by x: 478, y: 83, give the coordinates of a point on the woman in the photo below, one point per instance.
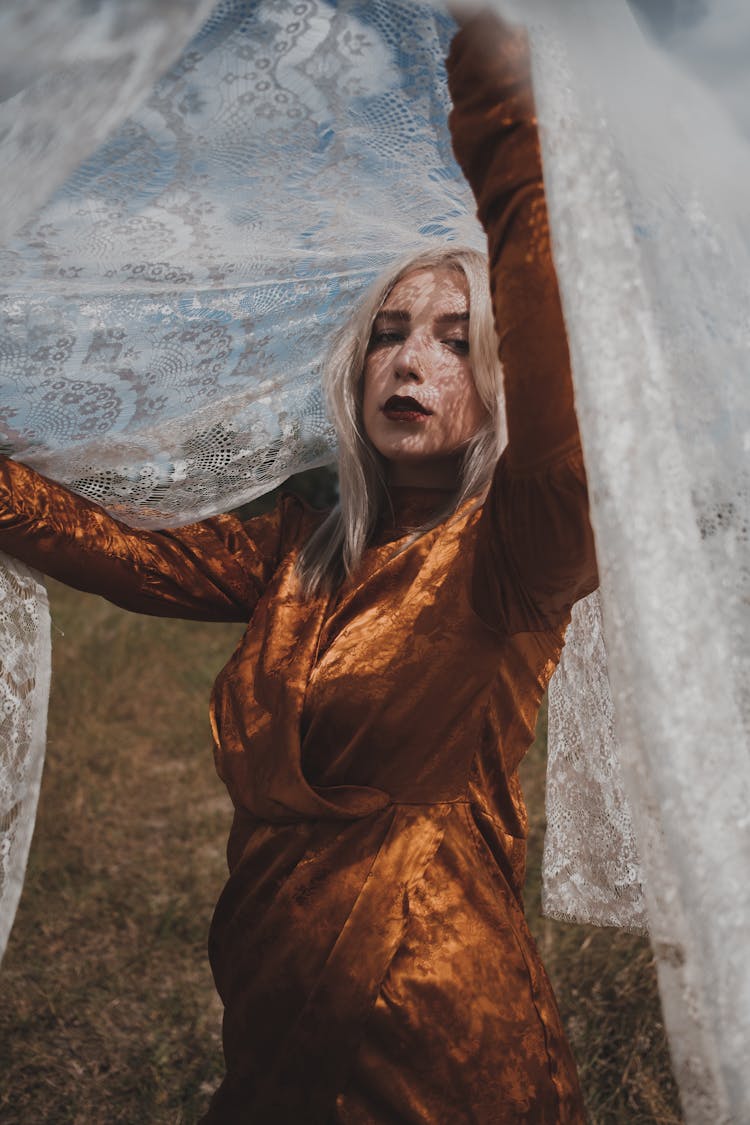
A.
x: 370, y: 946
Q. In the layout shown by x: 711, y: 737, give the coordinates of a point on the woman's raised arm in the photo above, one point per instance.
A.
x: 536, y: 552
x: 214, y: 570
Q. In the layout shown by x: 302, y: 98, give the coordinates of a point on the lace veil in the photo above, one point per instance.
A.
x: 177, y: 253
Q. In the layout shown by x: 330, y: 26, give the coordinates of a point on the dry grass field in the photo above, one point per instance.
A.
x: 107, y: 1010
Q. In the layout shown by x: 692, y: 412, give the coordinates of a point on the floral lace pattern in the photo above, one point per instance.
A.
x: 171, y: 306
x: 651, y: 248
x: 24, y: 690
x: 591, y: 867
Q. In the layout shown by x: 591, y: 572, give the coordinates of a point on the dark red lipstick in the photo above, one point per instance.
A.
x: 404, y: 408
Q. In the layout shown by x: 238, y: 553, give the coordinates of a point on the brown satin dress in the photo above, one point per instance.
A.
x: 370, y: 945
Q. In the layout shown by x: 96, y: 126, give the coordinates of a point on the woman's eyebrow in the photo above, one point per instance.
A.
x: 453, y: 317
x: 402, y: 316
x: 393, y: 314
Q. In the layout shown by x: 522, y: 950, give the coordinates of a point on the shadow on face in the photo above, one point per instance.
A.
x: 421, y: 406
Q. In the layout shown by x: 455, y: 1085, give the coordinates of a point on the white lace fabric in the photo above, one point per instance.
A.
x: 169, y: 309
x: 591, y: 870
x: 24, y: 691
x: 651, y: 245
x: 165, y: 317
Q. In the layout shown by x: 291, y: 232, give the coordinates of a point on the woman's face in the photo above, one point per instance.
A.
x: 421, y: 406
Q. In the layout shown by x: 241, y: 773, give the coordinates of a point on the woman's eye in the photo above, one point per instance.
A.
x: 458, y: 344
x: 381, y: 339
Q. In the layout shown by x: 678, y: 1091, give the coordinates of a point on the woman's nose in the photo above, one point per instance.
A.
x: 409, y: 364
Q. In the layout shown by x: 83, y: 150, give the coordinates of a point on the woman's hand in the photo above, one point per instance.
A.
x: 498, y: 47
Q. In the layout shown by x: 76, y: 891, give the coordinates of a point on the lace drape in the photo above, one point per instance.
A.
x: 651, y: 244
x: 167, y: 310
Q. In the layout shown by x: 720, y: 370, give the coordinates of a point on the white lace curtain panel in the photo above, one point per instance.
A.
x: 192, y: 195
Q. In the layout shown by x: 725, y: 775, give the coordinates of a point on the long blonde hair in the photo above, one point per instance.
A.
x: 335, y: 549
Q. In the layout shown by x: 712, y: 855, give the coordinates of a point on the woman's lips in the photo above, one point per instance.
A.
x: 404, y: 408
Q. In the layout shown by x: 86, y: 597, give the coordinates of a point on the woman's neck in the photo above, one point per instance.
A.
x: 438, y: 472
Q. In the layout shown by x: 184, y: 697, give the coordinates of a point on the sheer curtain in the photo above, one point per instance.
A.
x: 167, y: 309
x: 647, y: 176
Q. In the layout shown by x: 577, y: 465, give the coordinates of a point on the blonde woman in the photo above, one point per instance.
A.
x: 370, y: 945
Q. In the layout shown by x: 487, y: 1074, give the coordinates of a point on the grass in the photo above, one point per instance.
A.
x: 107, y: 1009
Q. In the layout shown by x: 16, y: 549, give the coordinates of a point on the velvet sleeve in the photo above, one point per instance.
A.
x: 214, y: 570
x: 535, y: 552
